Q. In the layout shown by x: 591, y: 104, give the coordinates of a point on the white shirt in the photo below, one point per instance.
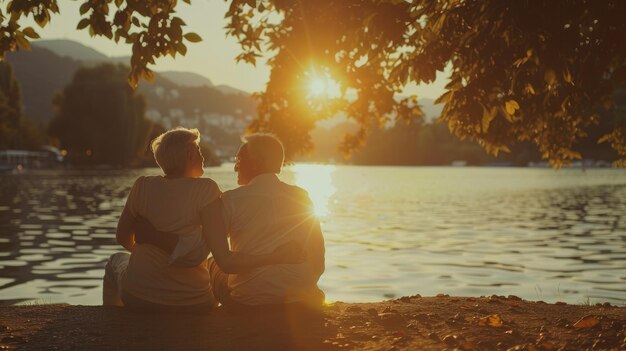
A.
x: 259, y: 217
x: 172, y: 206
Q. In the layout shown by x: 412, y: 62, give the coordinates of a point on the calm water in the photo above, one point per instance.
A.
x: 390, y: 231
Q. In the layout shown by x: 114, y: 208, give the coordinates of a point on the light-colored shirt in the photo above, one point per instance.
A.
x: 259, y: 217
x: 172, y: 206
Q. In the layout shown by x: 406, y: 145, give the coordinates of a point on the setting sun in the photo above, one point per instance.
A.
x: 322, y: 85
x: 317, y: 86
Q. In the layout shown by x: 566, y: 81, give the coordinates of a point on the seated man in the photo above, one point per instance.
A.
x: 259, y: 216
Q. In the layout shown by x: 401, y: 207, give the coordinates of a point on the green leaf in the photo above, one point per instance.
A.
x: 83, y: 23
x: 84, y: 8
x: 30, y: 32
x: 193, y: 37
x: 605, y: 138
x: 511, y: 106
x: 42, y: 19
x: 488, y: 116
x: 147, y: 74
x: 22, y: 42
x: 550, y: 76
x: 567, y: 76
x: 181, y: 48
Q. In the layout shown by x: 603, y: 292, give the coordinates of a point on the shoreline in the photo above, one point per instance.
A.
x: 408, y: 323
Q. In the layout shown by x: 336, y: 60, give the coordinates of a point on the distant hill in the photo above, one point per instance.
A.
x: 41, y: 74
x: 226, y: 89
x: 187, y: 79
x: 72, y: 49
x: 44, y: 72
x: 90, y: 56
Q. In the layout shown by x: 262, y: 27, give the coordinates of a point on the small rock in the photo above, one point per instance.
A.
x: 372, y: 312
x: 405, y: 299
x: 433, y: 336
x: 388, y: 309
x: 560, y: 303
x: 513, y: 297
x: 450, y: 339
x: 494, y: 299
x: 511, y: 332
x: 587, y: 322
x: 353, y: 309
x: 442, y: 295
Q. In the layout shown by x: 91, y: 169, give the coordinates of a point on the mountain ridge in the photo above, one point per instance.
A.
x: 90, y: 56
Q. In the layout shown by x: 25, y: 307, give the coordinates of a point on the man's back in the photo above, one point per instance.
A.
x: 259, y: 217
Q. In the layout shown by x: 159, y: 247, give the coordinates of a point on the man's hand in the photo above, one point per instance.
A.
x: 292, y: 252
x: 146, y: 233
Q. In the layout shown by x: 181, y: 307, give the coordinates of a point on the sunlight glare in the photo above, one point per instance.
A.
x: 323, y: 86
x: 317, y: 86
x: 317, y: 181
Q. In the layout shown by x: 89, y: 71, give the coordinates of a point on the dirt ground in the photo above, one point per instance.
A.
x: 408, y: 323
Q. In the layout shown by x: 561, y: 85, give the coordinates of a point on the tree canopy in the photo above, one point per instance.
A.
x: 538, y: 71
x: 15, y: 130
x: 100, y: 119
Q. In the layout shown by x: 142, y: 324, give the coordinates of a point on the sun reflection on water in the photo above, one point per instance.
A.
x: 317, y: 181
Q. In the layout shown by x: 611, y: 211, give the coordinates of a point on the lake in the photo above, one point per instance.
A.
x: 539, y: 234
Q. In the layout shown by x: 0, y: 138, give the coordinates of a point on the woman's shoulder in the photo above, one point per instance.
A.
x: 206, y: 186
x: 205, y: 182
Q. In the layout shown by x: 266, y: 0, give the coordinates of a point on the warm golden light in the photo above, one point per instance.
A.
x: 317, y: 86
x: 317, y: 181
x: 322, y: 85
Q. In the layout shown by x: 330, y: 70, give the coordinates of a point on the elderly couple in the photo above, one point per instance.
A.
x: 171, y: 223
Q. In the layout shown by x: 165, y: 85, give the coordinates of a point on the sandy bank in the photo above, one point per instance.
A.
x: 409, y: 323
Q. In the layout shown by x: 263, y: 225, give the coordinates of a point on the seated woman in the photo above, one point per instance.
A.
x: 150, y: 278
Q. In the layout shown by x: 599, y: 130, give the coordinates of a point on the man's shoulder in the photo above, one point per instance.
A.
x: 294, y: 190
x: 241, y: 190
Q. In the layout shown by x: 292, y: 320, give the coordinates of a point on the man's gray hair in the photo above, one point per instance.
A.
x: 170, y: 149
x: 266, y: 150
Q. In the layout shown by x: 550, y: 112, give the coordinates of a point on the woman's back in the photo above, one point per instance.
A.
x: 171, y: 205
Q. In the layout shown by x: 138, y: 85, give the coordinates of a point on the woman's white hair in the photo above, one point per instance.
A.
x: 266, y: 150
x: 170, y: 149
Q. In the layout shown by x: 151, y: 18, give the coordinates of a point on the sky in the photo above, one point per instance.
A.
x: 213, y: 57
